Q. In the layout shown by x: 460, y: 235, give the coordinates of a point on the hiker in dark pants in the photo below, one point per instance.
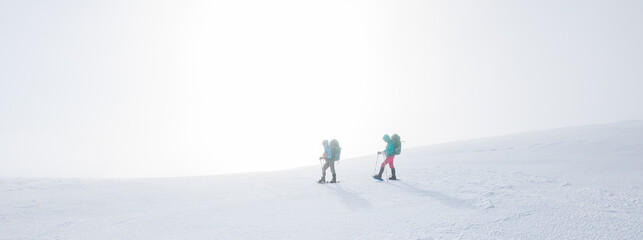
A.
x: 330, y: 156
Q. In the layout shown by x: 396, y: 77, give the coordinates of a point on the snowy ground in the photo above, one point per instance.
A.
x: 574, y: 183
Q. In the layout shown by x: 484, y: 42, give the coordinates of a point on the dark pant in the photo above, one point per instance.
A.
x: 328, y: 164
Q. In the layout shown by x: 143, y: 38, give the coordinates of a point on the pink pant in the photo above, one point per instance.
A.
x: 389, y: 160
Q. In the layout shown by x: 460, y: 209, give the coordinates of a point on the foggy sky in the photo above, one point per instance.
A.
x: 169, y: 88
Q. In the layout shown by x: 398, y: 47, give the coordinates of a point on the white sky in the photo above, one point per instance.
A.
x: 168, y: 88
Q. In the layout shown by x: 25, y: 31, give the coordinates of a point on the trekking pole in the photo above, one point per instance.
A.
x: 376, y: 160
x: 386, y: 173
x: 336, y: 166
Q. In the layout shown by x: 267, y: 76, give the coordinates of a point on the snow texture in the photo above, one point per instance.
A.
x: 572, y: 183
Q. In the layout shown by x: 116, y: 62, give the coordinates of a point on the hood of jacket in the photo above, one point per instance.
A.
x: 386, y: 138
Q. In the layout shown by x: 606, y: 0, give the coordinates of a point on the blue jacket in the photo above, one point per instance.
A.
x: 390, y: 146
x: 328, y: 151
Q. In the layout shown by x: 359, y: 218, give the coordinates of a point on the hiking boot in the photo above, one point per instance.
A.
x: 393, y: 174
x: 379, y: 176
x: 322, y: 180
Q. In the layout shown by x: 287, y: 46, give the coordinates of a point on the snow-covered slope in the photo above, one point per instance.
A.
x: 573, y: 183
